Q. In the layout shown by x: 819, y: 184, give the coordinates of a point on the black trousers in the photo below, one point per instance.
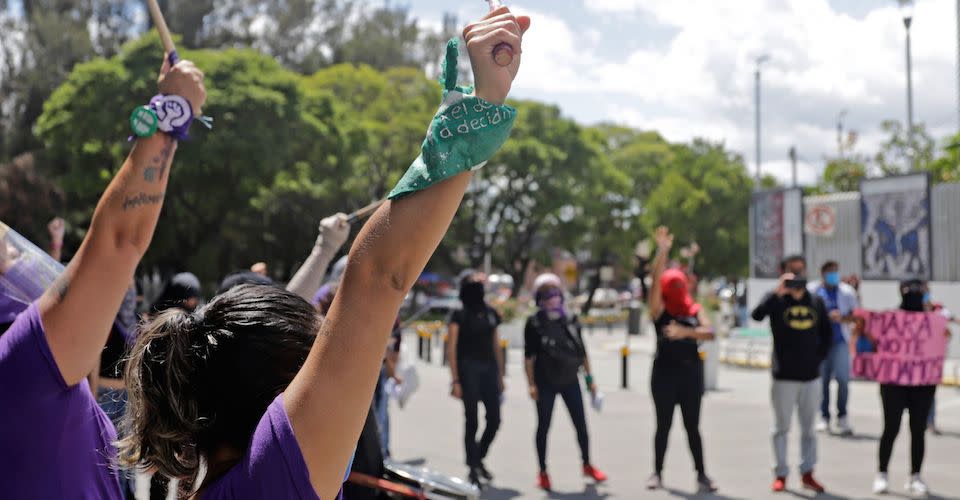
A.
x: 479, y: 381
x: 915, y: 399
x: 674, y: 383
x: 573, y: 399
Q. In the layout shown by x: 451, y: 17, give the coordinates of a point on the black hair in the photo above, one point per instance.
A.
x: 790, y: 259
x: 828, y: 264
x: 911, y: 295
x: 203, y: 380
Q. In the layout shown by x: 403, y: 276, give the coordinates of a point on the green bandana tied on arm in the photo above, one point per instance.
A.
x: 463, y: 135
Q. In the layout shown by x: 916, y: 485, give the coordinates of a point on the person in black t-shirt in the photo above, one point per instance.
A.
x: 802, y: 336
x: 555, y: 352
x: 476, y: 363
x: 677, y: 376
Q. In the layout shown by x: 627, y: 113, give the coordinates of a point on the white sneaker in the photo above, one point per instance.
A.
x: 843, y: 427
x: 823, y: 425
x: 916, y: 486
x: 880, y: 483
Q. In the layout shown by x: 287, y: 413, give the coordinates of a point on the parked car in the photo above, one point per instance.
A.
x: 445, y: 302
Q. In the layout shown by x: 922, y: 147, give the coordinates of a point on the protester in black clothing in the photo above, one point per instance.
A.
x: 802, y: 336
x: 476, y: 363
x: 917, y: 399
x: 555, y: 352
x: 677, y: 377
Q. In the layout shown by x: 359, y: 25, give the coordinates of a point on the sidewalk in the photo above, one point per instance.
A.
x: 735, y: 425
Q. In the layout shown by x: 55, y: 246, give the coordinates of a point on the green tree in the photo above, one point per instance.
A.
x: 28, y: 198
x: 541, y: 191
x: 384, y: 116
x: 264, y: 127
x: 898, y: 153
x: 705, y: 197
x: 946, y: 168
x: 385, y: 37
x: 843, y: 174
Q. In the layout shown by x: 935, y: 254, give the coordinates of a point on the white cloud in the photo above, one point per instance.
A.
x: 700, y: 81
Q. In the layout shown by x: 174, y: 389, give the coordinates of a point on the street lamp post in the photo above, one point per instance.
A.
x: 840, y: 132
x: 756, y: 82
x: 906, y: 9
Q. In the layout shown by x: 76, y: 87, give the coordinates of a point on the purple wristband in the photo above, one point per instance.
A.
x: 175, y: 115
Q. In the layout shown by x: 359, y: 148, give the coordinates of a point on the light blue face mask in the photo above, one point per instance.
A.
x: 926, y: 298
x: 832, y: 278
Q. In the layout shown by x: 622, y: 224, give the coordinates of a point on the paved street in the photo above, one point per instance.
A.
x: 736, y: 427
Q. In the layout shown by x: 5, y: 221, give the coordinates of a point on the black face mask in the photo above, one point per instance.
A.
x: 912, y: 301
x: 472, y: 294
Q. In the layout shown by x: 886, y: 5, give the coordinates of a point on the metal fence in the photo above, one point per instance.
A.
x: 843, y: 244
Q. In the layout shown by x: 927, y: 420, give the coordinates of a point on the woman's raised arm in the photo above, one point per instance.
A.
x: 330, y: 396
x: 78, y: 310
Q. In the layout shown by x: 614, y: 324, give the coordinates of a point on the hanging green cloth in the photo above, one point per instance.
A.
x: 463, y: 135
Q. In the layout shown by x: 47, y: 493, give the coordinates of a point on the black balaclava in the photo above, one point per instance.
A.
x: 911, y: 295
x: 472, y: 294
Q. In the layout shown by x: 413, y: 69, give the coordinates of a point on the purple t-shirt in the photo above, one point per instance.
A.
x: 272, y: 467
x: 55, y: 441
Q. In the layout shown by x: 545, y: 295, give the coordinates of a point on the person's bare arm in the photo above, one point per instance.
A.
x: 664, y: 242
x: 704, y: 332
x: 56, y: 228
x: 390, y: 362
x: 498, y: 353
x: 453, y: 335
x: 531, y: 381
x: 334, y: 231
x: 328, y: 399
x: 78, y: 310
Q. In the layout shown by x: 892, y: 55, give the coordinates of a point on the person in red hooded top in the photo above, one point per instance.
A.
x: 677, y: 377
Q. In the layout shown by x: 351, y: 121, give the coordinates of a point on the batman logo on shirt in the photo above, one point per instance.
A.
x: 800, y: 317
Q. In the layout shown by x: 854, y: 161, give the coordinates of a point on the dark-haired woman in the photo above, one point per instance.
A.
x: 677, y: 376
x: 244, y: 385
x: 916, y: 399
x: 476, y: 363
x: 182, y: 292
x: 555, y: 354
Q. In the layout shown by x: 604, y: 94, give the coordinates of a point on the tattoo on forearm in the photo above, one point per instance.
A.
x: 142, y: 199
x: 158, y: 164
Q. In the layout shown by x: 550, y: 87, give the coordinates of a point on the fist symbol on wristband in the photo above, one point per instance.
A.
x: 174, y: 112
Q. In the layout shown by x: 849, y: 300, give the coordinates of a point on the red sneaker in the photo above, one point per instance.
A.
x: 543, y: 481
x: 779, y: 484
x: 811, y: 484
x: 594, y: 473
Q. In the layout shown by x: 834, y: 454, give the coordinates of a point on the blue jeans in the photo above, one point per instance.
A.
x: 381, y: 402
x: 113, y: 402
x: 836, y: 366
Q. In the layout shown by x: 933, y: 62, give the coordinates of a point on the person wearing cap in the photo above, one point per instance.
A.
x: 555, y: 353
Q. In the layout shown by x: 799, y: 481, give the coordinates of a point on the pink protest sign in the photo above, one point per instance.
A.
x: 909, y: 347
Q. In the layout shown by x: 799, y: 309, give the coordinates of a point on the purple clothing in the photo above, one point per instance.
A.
x: 56, y: 441
x: 272, y: 467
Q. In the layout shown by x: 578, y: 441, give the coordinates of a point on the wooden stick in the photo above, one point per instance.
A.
x: 161, y: 24
x: 365, y: 212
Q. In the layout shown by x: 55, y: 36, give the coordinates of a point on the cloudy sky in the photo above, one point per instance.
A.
x: 685, y: 68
